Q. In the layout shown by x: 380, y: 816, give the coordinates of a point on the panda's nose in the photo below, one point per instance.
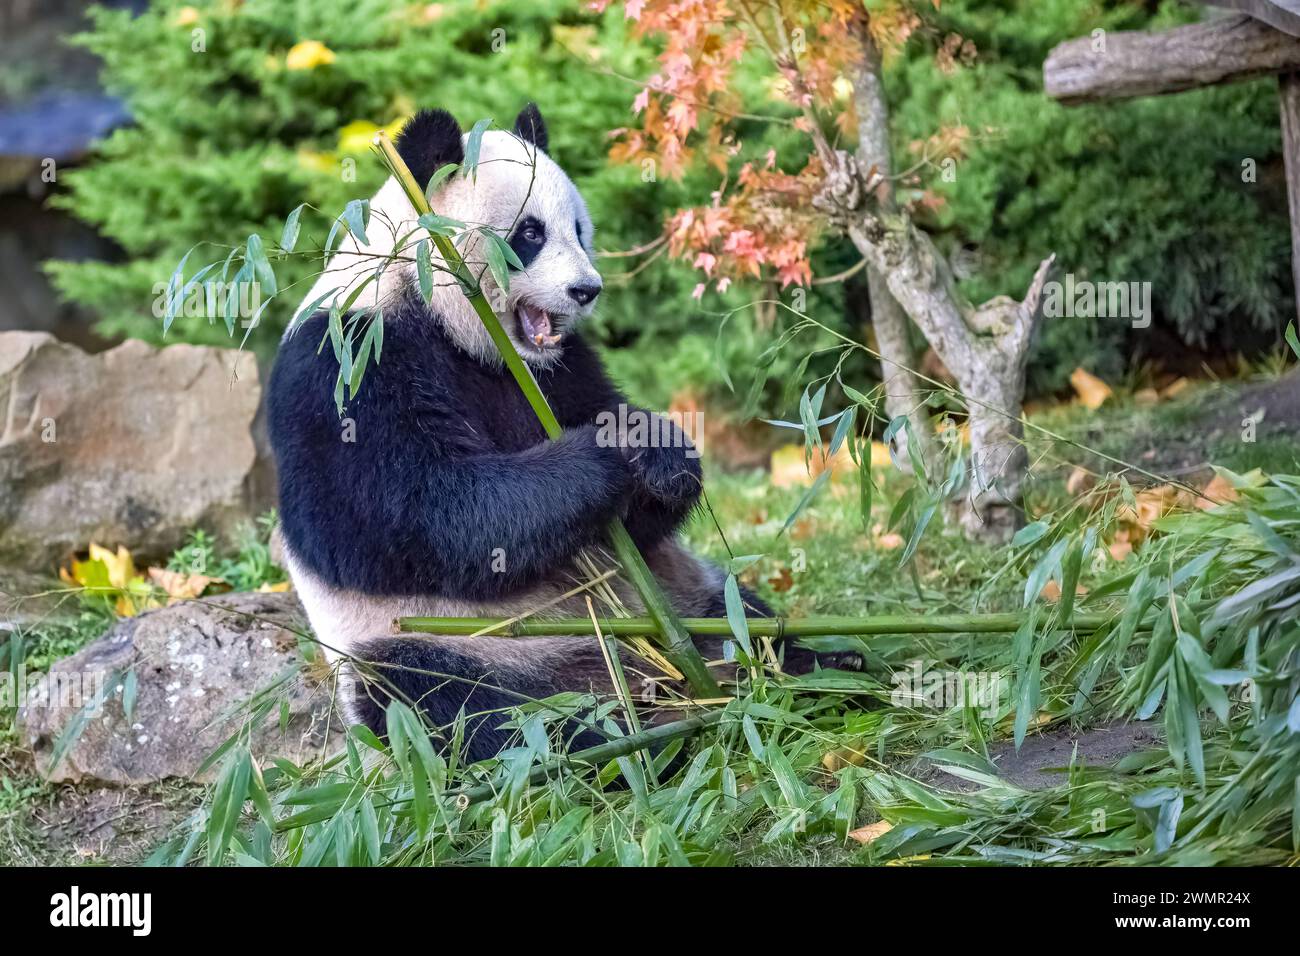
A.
x: 584, y: 292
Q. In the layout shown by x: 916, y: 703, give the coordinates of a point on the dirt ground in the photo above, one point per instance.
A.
x: 100, y: 826
x: 1217, y: 420
x: 1043, y: 758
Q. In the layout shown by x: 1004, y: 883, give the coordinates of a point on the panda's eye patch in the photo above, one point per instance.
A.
x: 528, y: 239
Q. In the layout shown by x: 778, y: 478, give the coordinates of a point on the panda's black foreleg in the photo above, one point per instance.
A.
x: 493, y: 525
x: 666, y: 482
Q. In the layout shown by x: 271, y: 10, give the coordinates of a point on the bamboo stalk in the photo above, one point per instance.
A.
x: 601, y: 753
x: 675, y: 639
x: 775, y: 627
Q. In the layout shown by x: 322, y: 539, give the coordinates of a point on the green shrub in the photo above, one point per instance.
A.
x: 1141, y: 190
x: 228, y: 141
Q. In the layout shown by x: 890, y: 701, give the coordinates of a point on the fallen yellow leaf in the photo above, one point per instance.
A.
x: 1218, y: 491
x: 889, y: 540
x: 788, y: 468
x: 1080, y: 480
x: 1121, y: 547
x: 186, y: 16
x: 783, y: 580
x: 120, y: 567
x: 279, y: 588
x: 842, y: 757
x: 181, y: 587
x: 1091, y: 390
x: 1175, y: 388
x: 1052, y: 591
x: 307, y: 55
x: 112, y: 575
x: 1152, y: 503
x: 872, y: 831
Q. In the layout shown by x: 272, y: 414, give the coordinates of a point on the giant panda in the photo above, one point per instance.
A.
x: 438, y: 493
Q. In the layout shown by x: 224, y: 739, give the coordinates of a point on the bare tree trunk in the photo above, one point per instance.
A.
x: 984, y: 348
x: 1289, y: 95
x: 898, y: 358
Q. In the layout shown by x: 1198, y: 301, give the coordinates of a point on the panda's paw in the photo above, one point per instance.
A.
x: 664, y: 473
x: 842, y: 661
x: 586, y: 450
x: 801, y: 660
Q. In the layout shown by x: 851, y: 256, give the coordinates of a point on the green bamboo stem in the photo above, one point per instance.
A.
x: 774, y: 627
x: 668, y: 632
x: 601, y: 753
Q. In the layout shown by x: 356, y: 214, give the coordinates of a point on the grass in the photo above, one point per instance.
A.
x: 795, y: 766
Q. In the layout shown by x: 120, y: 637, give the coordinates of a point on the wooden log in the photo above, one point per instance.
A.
x: 1120, y: 65
x: 1289, y: 95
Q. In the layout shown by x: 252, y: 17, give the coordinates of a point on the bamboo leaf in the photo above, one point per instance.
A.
x: 441, y: 225
x: 473, y: 145
x: 227, y: 802
x: 736, y: 614
x: 370, y: 831
x: 1031, y: 533
x: 256, y: 254
x: 424, y: 270
x: 1070, y: 569
x: 129, y: 690
x: 439, y: 175
x: 289, y: 237
x: 496, y: 259
x: 866, y: 488
x: 356, y: 214
x: 922, y: 522
x: 806, y: 498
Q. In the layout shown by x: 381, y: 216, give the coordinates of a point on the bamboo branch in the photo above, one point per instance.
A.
x: 668, y: 632
x: 775, y: 627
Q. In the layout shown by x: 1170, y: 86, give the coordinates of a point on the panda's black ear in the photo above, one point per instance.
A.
x: 430, y: 138
x: 530, y: 126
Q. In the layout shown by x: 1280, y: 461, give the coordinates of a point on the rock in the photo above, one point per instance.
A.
x: 197, y: 664
x: 133, y: 446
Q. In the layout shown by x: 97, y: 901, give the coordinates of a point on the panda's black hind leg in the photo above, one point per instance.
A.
x: 441, y: 678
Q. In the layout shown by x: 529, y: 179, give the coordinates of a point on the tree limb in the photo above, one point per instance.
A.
x: 1110, y: 66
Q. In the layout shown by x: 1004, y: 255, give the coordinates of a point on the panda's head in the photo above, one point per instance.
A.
x: 519, y: 192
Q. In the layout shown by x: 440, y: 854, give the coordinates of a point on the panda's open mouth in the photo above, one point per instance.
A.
x: 535, y: 327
